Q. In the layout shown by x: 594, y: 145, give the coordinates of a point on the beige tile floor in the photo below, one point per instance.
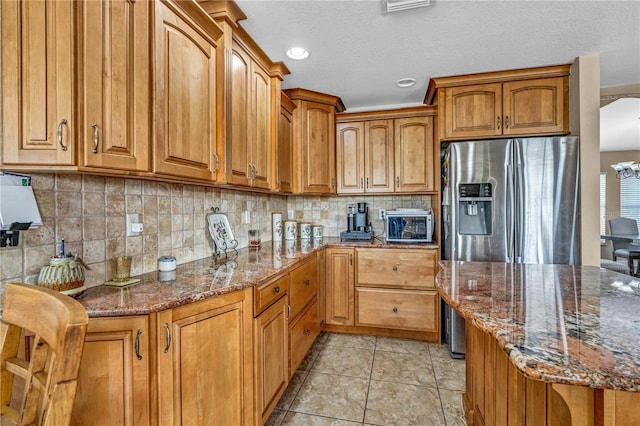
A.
x: 366, y: 380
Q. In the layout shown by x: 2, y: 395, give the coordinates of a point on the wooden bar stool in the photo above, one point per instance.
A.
x: 39, y: 387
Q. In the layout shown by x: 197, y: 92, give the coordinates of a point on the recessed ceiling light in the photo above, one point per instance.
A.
x: 406, y: 82
x: 298, y: 53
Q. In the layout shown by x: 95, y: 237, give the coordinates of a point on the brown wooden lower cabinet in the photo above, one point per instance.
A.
x: 302, y: 333
x: 205, y: 362
x: 402, y: 309
x: 113, y: 380
x: 497, y: 393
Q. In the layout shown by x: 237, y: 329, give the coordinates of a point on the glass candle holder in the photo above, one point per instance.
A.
x: 121, y: 268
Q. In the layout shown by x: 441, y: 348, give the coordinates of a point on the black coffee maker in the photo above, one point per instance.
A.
x: 358, y: 226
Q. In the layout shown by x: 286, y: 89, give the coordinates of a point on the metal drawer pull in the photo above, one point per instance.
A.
x: 288, y: 311
x: 395, y: 309
x: 276, y: 290
x: 506, y: 122
x: 216, y: 161
x: 62, y: 122
x: 367, y: 183
x: 395, y: 268
x: 398, y: 181
x: 307, y: 332
x: 499, y: 122
x: 307, y: 282
x: 350, y: 259
x: 166, y: 327
x: 96, y: 137
x: 137, y: 345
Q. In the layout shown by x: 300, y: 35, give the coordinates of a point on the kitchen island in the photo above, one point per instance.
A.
x: 547, y: 344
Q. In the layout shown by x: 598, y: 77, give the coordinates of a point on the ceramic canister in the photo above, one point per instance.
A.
x: 305, y: 231
x: 276, y: 226
x: 305, y: 245
x: 290, y: 230
x: 290, y: 248
x: 317, y: 231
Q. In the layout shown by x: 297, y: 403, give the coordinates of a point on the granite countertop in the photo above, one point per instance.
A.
x: 210, y: 277
x: 566, y: 324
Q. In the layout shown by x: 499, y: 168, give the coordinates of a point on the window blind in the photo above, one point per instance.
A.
x: 630, y: 198
x: 603, y: 202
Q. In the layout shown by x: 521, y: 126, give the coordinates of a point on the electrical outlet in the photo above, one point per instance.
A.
x: 381, y: 213
x: 246, y: 217
x: 134, y: 226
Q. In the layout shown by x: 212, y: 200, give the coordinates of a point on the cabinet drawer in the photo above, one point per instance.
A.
x: 302, y: 334
x: 303, y: 286
x: 409, y: 268
x: 267, y: 293
x: 402, y: 309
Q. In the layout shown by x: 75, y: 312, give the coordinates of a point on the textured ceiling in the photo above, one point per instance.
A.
x: 358, y: 53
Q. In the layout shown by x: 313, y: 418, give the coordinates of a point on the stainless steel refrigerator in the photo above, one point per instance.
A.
x: 509, y: 200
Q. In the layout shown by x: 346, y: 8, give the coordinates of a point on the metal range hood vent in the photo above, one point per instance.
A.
x: 389, y: 6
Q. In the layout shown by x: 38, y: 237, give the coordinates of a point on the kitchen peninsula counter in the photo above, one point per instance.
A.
x: 210, y: 277
x: 562, y: 330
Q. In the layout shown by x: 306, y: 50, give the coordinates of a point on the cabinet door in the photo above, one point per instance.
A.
x: 205, y: 361
x: 302, y: 333
x: 272, y: 357
x: 401, y: 309
x: 115, y: 127
x: 535, y: 106
x: 339, y: 286
x: 113, y: 380
x: 38, y: 74
x: 185, y: 97
x: 378, y: 156
x: 350, y: 157
x: 318, y: 148
x: 285, y: 145
x: 260, y: 128
x: 303, y: 286
x: 414, y: 151
x: 396, y: 268
x: 473, y: 111
x: 237, y: 126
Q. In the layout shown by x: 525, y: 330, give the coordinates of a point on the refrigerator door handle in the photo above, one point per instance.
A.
x: 510, y: 208
x: 518, y: 203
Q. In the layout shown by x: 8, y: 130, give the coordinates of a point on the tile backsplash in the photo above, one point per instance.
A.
x: 89, y: 212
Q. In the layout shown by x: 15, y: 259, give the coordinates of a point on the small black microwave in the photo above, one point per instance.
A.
x: 410, y: 225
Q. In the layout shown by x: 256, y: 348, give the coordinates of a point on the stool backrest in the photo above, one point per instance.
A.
x: 38, y: 383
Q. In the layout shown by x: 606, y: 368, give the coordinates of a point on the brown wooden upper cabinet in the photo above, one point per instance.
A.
x: 522, y: 102
x: 284, y: 171
x: 38, y: 77
x: 314, y: 158
x: 115, y: 119
x: 386, y: 151
x: 185, y: 88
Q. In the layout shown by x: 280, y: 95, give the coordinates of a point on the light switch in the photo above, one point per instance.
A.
x: 134, y: 226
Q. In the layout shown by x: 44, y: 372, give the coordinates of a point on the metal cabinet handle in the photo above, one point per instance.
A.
x: 350, y: 259
x: 395, y: 309
x: 137, y: 344
x: 506, y: 122
x: 288, y: 311
x: 307, y: 282
x: 62, y: 122
x: 361, y: 183
x: 397, y: 181
x: 96, y: 137
x: 395, y: 268
x: 367, y: 183
x: 276, y: 290
x: 255, y: 171
x: 499, y: 122
x: 307, y: 332
x: 166, y: 327
x: 216, y: 161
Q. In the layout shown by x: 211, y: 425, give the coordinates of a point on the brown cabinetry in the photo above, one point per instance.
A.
x: 284, y: 168
x: 523, y: 102
x: 205, y: 358
x: 113, y: 380
x: 386, y: 152
x: 185, y: 89
x: 314, y: 157
x: 304, y: 325
x: 38, y: 76
x: 271, y: 345
x: 114, y: 123
x: 395, y: 289
x: 339, y: 287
